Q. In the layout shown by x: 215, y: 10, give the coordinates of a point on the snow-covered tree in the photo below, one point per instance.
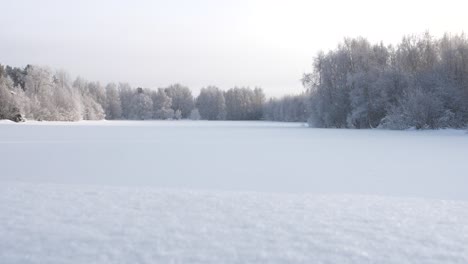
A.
x: 182, y: 99
x: 98, y: 93
x: 17, y: 75
x: 211, y: 104
x: 89, y: 108
x: 161, y: 105
x: 65, y: 99
x: 244, y: 103
x: 114, y: 105
x: 258, y: 102
x: 141, y: 106
x: 287, y: 109
x: 126, y: 96
x: 9, y: 105
x: 39, y: 85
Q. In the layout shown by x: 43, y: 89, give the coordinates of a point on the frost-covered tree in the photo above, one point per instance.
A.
x: 39, y: 85
x: 287, y: 109
x: 65, y: 99
x: 114, y: 105
x: 161, y: 105
x: 244, y: 103
x: 141, y: 106
x: 419, y: 109
x: 258, y: 102
x: 48, y: 96
x: 182, y: 99
x: 211, y: 104
x: 17, y: 75
x: 89, y: 108
x: 9, y: 101
x: 236, y: 104
x: 126, y: 95
x: 98, y: 93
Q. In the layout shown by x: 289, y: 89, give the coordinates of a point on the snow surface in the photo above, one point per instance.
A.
x: 249, y: 156
x: 230, y: 192
x: 50, y: 223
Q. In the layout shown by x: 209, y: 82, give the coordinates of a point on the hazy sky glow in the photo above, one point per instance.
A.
x: 152, y: 43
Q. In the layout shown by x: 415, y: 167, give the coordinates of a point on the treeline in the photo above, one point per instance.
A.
x: 420, y: 83
x: 37, y: 93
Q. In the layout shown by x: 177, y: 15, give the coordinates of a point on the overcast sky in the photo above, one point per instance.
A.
x: 153, y: 43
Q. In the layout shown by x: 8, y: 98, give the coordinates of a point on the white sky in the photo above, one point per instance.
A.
x: 152, y: 43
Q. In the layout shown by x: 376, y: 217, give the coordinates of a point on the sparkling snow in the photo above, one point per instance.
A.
x: 230, y: 192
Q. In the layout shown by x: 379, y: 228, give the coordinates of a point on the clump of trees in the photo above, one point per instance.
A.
x: 420, y: 83
x: 9, y: 101
x: 244, y: 103
x: 182, y: 99
x: 289, y: 108
x: 38, y: 93
x: 211, y: 103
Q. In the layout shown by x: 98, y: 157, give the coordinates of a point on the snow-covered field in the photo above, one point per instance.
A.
x: 230, y: 192
x: 249, y: 156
